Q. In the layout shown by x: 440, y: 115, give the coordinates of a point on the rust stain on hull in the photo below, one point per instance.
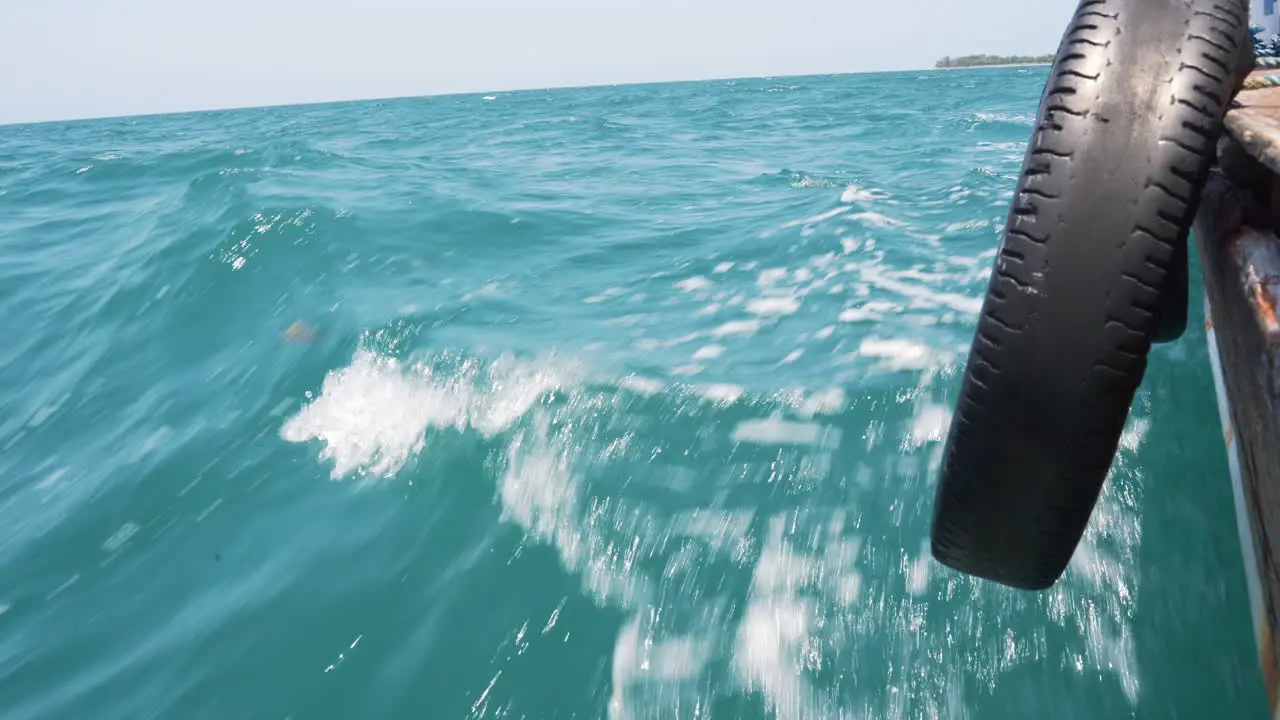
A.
x: 1264, y: 303
x: 1257, y: 254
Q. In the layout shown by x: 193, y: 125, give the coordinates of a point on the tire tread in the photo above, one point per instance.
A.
x: 1018, y: 518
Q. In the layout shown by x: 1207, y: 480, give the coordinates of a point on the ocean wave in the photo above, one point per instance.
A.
x: 810, y: 581
x: 645, y: 384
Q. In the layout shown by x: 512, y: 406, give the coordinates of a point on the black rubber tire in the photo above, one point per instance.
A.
x: 1126, y: 133
x: 1173, y: 303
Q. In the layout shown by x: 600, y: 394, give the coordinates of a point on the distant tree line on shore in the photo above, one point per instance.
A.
x: 981, y: 60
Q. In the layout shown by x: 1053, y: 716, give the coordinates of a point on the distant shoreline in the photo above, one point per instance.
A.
x: 1002, y: 65
x: 309, y: 102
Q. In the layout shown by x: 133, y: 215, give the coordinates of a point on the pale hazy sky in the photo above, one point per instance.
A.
x: 65, y: 59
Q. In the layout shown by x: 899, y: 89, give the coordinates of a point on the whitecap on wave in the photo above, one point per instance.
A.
x: 785, y: 568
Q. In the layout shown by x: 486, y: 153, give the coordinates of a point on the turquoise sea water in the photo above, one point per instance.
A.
x: 619, y: 402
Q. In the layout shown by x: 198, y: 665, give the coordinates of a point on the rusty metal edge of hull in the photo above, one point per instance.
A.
x: 1240, y: 261
x: 1244, y: 523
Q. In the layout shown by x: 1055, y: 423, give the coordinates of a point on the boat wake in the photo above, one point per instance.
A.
x: 789, y: 568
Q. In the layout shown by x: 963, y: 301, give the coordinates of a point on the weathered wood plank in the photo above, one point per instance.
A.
x: 1254, y: 122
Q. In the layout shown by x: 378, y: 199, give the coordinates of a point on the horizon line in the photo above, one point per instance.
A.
x: 388, y: 98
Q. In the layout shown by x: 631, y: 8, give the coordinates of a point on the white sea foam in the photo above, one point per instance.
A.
x: 686, y: 338
x: 918, y: 572
x: 877, y: 220
x: 1019, y: 118
x: 872, y: 310
x: 776, y: 431
x: 708, y: 352
x: 818, y: 218
x: 605, y: 295
x: 922, y: 296
x: 779, y: 639
x: 810, y: 606
x: 641, y: 385
x: 645, y: 666
x: 722, y: 393
x: 737, y: 327
x: 822, y: 402
x: 897, y: 353
x: 371, y: 416
x: 853, y: 194
x: 694, y: 284
x: 488, y: 290
x: 773, y: 306
x: 807, y: 606
x: 771, y: 276
x: 966, y: 226
x: 769, y: 652
x: 1134, y: 433
x: 930, y: 424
